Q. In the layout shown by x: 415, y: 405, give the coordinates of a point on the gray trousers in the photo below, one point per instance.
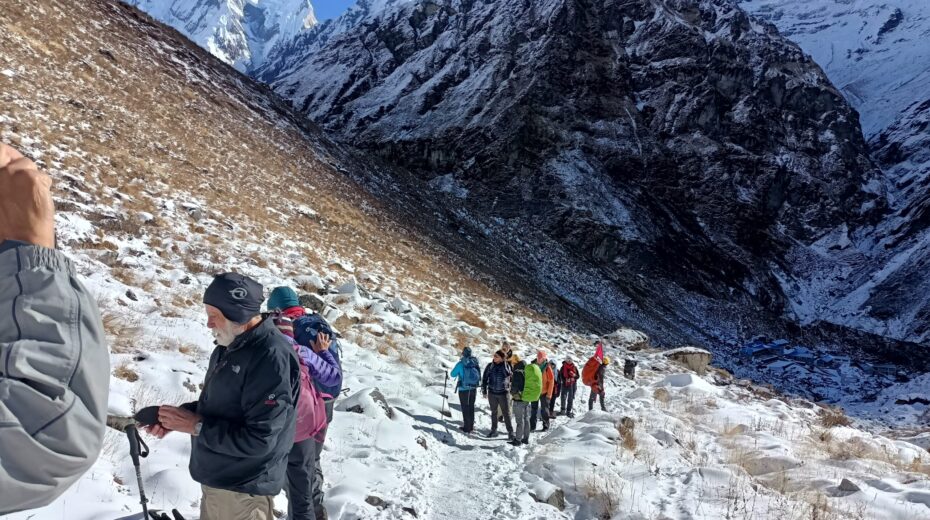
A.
x: 499, y: 405
x: 300, y: 476
x: 521, y: 414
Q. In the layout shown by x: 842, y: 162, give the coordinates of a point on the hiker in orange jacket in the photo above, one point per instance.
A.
x: 541, y: 407
x: 597, y: 389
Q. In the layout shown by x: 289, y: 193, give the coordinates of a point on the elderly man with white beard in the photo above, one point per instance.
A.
x: 242, y: 427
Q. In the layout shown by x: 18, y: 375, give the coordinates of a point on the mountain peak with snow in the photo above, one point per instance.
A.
x: 242, y: 33
x: 877, y: 52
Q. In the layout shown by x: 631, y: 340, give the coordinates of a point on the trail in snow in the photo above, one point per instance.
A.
x: 483, y: 477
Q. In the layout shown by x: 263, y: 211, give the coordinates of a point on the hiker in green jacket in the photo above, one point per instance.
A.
x: 526, y: 387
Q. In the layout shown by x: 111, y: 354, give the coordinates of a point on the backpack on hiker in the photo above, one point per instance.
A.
x: 532, y: 383
x: 589, y: 372
x: 306, y: 329
x: 471, y: 374
x: 311, y: 411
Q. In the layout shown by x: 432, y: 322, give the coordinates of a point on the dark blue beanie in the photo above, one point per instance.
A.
x: 238, y: 297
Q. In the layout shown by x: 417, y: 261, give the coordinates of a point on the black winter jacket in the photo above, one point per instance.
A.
x: 496, y: 378
x: 247, y: 405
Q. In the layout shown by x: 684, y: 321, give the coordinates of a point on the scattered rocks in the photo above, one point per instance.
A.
x: 313, y: 302
x: 696, y: 359
x: 400, y: 306
x: 131, y: 295
x: 195, y: 211
x: 847, y: 486
x: 545, y: 493
x: 369, y: 402
x: 629, y: 339
x: 765, y: 465
x: 376, y: 502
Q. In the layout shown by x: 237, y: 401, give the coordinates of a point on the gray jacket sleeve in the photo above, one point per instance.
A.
x: 54, y: 377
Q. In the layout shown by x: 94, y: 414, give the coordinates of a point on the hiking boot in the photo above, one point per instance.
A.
x: 514, y: 442
x: 545, y: 428
x: 492, y: 433
x: 525, y: 441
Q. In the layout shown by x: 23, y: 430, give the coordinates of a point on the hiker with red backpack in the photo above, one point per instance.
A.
x: 568, y: 376
x: 468, y: 372
x: 318, y: 367
x: 593, y: 375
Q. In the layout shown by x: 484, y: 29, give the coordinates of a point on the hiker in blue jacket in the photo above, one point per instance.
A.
x: 469, y: 377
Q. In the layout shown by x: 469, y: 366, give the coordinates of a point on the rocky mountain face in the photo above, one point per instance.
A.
x: 878, y: 54
x: 672, y: 163
x: 239, y: 32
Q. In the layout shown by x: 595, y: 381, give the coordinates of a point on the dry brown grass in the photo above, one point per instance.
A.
x: 122, y: 333
x: 601, y: 497
x: 460, y: 340
x: 627, y: 429
x: 833, y: 416
x: 662, y: 395
x: 468, y: 316
x: 126, y: 373
x: 406, y: 357
x: 384, y: 348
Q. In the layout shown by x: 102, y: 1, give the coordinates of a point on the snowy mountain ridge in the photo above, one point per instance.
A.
x: 242, y: 33
x: 877, y: 52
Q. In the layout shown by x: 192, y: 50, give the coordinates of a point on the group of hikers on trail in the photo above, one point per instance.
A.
x: 260, y: 422
x: 528, y: 392
x: 257, y: 427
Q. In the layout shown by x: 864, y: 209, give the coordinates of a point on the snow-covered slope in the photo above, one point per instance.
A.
x: 241, y: 33
x: 877, y: 52
x: 159, y: 184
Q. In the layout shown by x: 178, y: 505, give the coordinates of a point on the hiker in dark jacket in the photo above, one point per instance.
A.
x: 521, y: 409
x: 243, y: 425
x: 55, y: 369
x: 568, y: 375
x: 557, y: 388
x: 469, y: 377
x: 597, y: 389
x: 495, y: 385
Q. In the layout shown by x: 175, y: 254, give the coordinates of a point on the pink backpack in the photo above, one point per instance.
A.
x: 311, y: 411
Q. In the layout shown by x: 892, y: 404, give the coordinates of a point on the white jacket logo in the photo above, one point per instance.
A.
x: 235, y: 369
x: 238, y: 293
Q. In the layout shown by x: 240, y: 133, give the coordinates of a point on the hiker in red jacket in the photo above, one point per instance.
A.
x: 569, y: 375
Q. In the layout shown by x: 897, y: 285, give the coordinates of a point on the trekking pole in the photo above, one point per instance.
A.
x: 137, y: 448
x: 445, y: 390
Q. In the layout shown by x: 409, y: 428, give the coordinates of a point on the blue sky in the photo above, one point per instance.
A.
x: 326, y: 9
